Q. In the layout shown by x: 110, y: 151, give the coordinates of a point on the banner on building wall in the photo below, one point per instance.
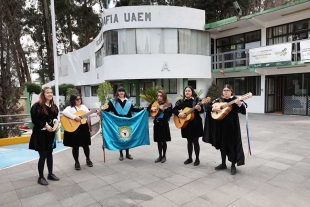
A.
x: 271, y: 56
x: 305, y: 51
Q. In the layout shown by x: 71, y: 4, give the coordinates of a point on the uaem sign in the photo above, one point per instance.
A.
x: 271, y: 56
x: 305, y: 51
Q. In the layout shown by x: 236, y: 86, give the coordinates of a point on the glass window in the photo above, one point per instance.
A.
x: 242, y: 85
x: 99, y: 56
x: 169, y: 85
x: 132, y: 90
x: 94, y: 90
x: 143, y: 37
x: 87, y: 91
x: 184, y: 41
x: 171, y: 41
x: 192, y: 83
x: 127, y: 41
x: 86, y: 66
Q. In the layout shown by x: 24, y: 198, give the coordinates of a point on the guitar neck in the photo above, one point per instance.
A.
x: 192, y: 109
x: 89, y: 113
x: 233, y: 101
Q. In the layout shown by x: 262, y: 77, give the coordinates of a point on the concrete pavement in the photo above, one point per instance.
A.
x: 278, y: 173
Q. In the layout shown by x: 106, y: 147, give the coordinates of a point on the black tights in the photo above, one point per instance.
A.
x: 48, y: 156
x: 162, y: 148
x: 190, y: 142
x: 121, y: 152
x: 75, y: 152
x: 225, y: 150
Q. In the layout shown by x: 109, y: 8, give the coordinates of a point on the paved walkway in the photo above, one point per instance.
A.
x: 276, y: 175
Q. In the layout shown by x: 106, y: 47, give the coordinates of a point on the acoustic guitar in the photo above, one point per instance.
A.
x: 156, y: 104
x: 70, y: 125
x: 181, y: 122
x: 226, y: 107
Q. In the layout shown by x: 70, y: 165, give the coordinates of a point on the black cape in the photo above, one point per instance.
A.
x: 226, y: 131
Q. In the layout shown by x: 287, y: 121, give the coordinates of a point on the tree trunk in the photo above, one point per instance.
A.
x: 48, y: 39
x: 16, y: 35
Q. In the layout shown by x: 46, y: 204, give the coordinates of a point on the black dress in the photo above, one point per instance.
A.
x: 161, y: 125
x: 225, y: 132
x: 42, y: 140
x: 78, y: 138
x: 194, y: 128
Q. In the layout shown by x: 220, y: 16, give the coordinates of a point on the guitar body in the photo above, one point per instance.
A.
x: 70, y: 125
x: 181, y: 122
x: 155, y: 113
x: 220, y: 115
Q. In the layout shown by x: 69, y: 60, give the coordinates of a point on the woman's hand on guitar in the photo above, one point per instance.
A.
x: 238, y: 102
x: 182, y: 115
x: 78, y: 119
x: 153, y: 108
x: 216, y: 109
x: 198, y: 107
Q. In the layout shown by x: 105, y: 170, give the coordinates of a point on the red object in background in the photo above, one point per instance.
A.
x: 24, y: 127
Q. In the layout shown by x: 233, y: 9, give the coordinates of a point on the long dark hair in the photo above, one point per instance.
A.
x: 116, y: 93
x: 230, y: 88
x: 194, y: 94
x: 42, y: 101
x: 73, y: 98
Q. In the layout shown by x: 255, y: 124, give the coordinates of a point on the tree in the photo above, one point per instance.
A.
x: 214, y: 91
x: 150, y: 94
x: 104, y: 92
x: 33, y: 88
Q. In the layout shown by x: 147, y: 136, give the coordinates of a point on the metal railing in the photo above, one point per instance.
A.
x: 17, y: 122
x: 240, y: 58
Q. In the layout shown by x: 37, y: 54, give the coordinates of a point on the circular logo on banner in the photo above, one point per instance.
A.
x: 124, y: 132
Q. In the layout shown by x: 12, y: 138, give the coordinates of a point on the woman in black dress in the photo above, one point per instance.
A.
x: 80, y: 137
x: 43, y: 113
x: 225, y: 134
x: 161, y: 124
x: 122, y: 106
x: 194, y: 129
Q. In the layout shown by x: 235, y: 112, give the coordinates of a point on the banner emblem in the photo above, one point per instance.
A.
x: 124, y: 132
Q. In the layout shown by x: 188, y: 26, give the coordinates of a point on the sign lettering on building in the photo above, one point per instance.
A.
x: 128, y: 17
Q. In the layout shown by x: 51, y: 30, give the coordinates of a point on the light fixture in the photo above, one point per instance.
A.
x: 294, y: 12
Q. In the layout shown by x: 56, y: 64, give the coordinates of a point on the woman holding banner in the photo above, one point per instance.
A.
x: 122, y: 106
x: 162, y: 112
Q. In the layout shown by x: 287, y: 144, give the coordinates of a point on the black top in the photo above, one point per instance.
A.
x: 122, y: 103
x: 39, y: 118
x: 194, y: 128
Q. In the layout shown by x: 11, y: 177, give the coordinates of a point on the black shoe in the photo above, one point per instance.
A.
x: 89, y: 163
x: 121, y: 158
x: 158, y: 159
x: 77, y: 166
x: 163, y: 160
x: 189, y: 160
x: 129, y: 157
x: 52, y: 177
x: 233, y: 170
x: 42, y: 181
x: 197, y: 162
x: 221, y: 167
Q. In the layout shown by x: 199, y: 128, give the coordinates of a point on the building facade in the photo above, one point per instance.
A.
x: 268, y: 54
x: 140, y: 47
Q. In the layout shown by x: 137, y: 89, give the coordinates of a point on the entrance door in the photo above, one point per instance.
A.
x: 270, y: 94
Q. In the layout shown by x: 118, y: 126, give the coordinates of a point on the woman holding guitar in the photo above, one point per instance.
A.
x: 162, y: 111
x: 122, y: 106
x: 193, y: 129
x: 225, y: 134
x: 81, y: 136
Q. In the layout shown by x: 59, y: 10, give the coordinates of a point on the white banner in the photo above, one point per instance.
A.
x: 305, y: 51
x: 274, y: 55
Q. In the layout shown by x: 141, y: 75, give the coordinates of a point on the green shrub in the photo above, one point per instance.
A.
x: 32, y: 87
